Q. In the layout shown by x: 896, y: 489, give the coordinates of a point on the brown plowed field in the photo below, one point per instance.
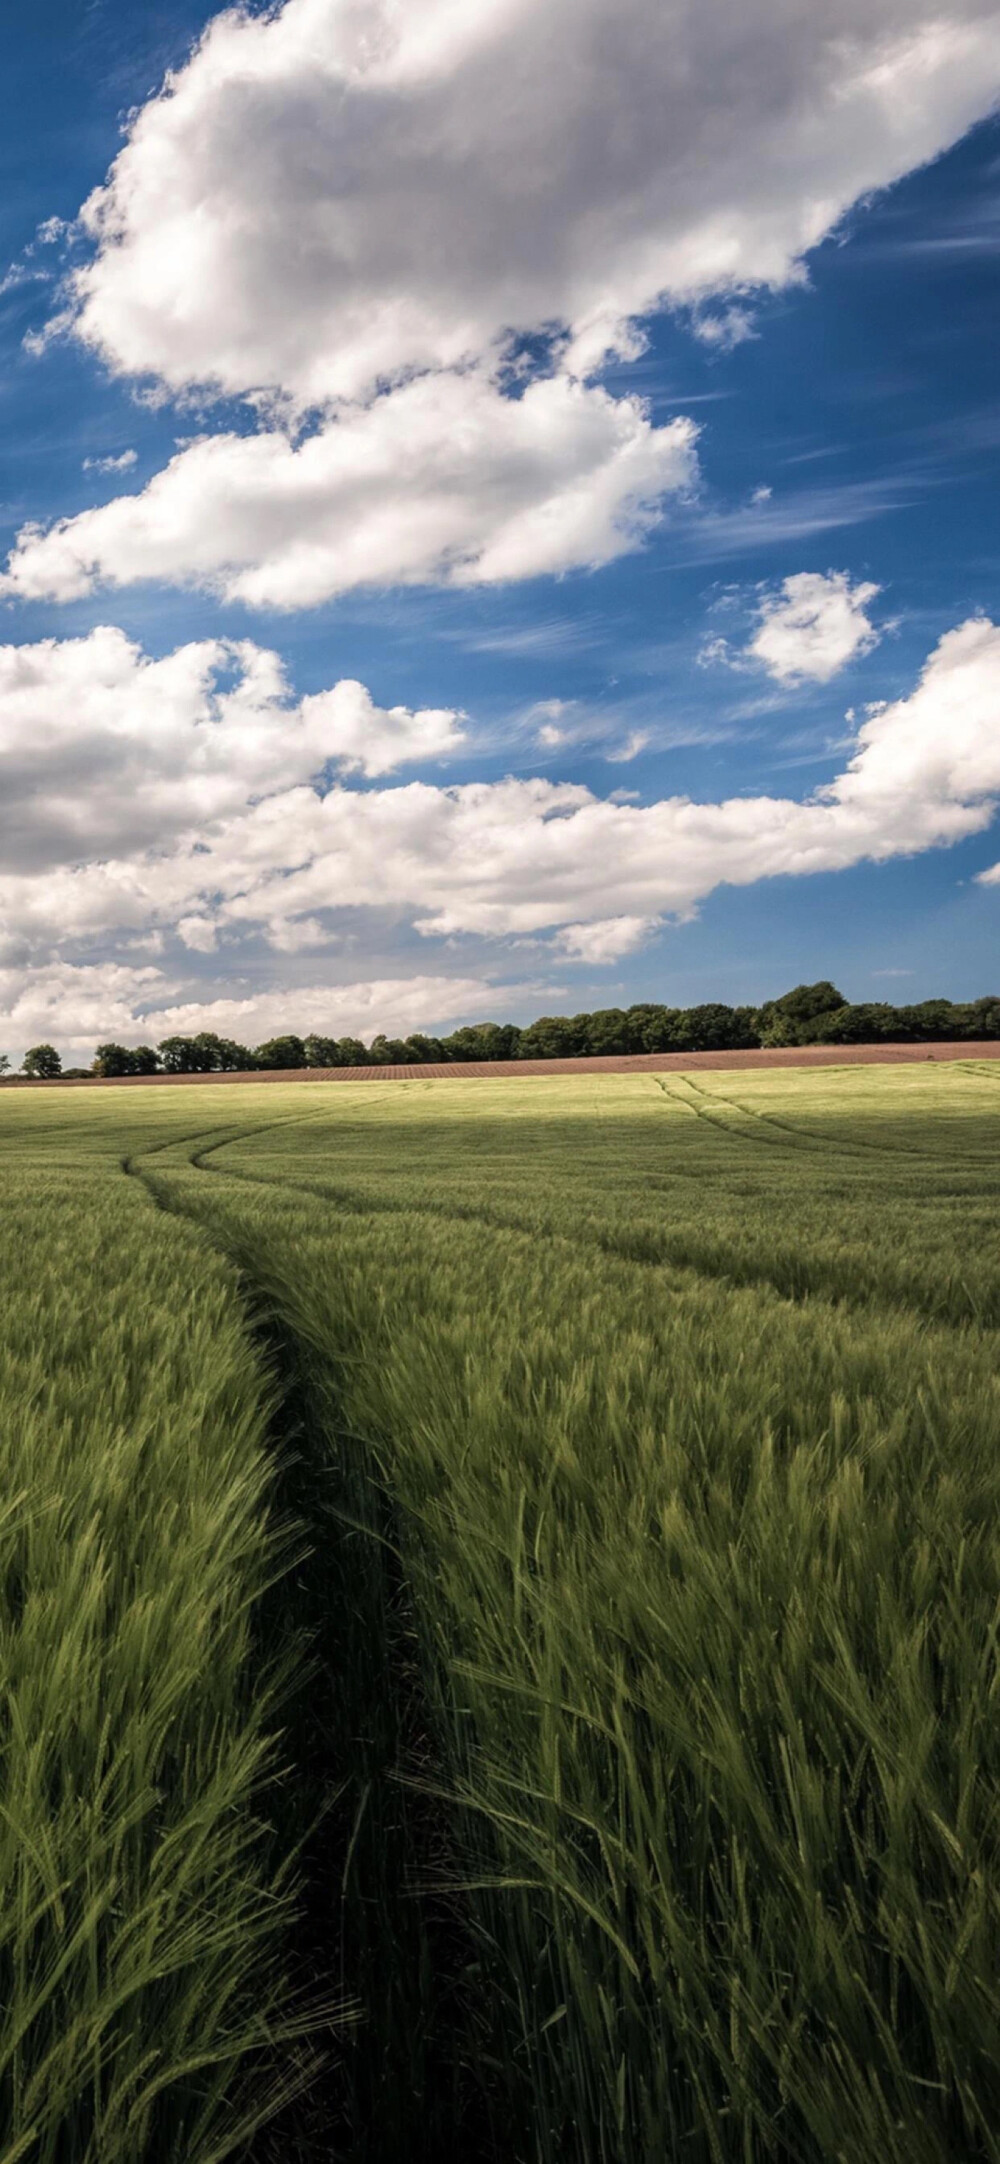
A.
x: 814, y: 1055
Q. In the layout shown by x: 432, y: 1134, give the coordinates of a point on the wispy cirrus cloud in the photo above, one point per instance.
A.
x: 114, y: 462
x: 709, y: 534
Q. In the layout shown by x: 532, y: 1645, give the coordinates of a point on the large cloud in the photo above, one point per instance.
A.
x: 106, y: 752
x: 393, y: 1004
x: 76, y: 1005
x: 443, y: 479
x: 510, y: 858
x: 71, y: 1005
x: 526, y: 856
x: 335, y: 197
x: 334, y: 193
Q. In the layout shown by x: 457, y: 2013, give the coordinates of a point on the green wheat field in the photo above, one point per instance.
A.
x: 499, y: 1611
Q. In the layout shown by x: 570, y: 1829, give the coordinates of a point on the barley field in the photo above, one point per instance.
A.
x: 499, y: 1613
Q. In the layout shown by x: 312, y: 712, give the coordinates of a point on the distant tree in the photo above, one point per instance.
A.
x: 176, y: 1056
x: 321, y: 1052
x: 281, y: 1052
x: 809, y: 1014
x: 481, y: 1040
x: 792, y: 1018
x: 650, y: 1028
x: 113, y: 1060
x: 463, y: 1044
x: 607, y: 1032
x: 745, y: 1029
x: 554, y: 1036
x: 806, y: 1001
x: 232, y: 1058
x: 930, y: 1019
x: 4, y: 1063
x: 42, y: 1063
x: 984, y: 1017
x: 502, y: 1039
x: 870, y: 1023
x: 388, y: 1052
x: 204, y: 1054
x: 714, y: 1028
x: 421, y: 1050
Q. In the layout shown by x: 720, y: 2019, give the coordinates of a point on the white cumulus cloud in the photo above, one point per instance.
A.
x: 71, y: 1005
x: 606, y: 940
x: 198, y: 933
x: 75, y: 1006
x: 107, y: 752
x: 443, y: 479
x: 395, y: 1005
x: 359, y: 212
x: 333, y: 193
x: 255, y: 840
x: 813, y: 627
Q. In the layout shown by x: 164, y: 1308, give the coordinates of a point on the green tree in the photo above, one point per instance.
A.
x: 502, y: 1038
x: 554, y: 1036
x: 42, y: 1063
x: 112, y: 1061
x: 650, y: 1028
x: 321, y: 1052
x: 873, y: 1022
x: 931, y: 1019
x: 205, y: 1054
x: 4, y: 1063
x: 984, y: 1017
x: 232, y: 1058
x: 792, y: 1019
x: 714, y: 1028
x: 481, y: 1040
x: 278, y: 1052
x: 176, y: 1055
x: 608, y: 1032
x: 388, y: 1052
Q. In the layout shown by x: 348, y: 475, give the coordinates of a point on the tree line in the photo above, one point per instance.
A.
x: 809, y: 1014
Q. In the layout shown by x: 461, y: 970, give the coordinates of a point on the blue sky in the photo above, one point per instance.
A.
x: 610, y: 623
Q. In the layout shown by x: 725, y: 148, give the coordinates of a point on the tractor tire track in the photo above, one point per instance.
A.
x: 646, y: 1248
